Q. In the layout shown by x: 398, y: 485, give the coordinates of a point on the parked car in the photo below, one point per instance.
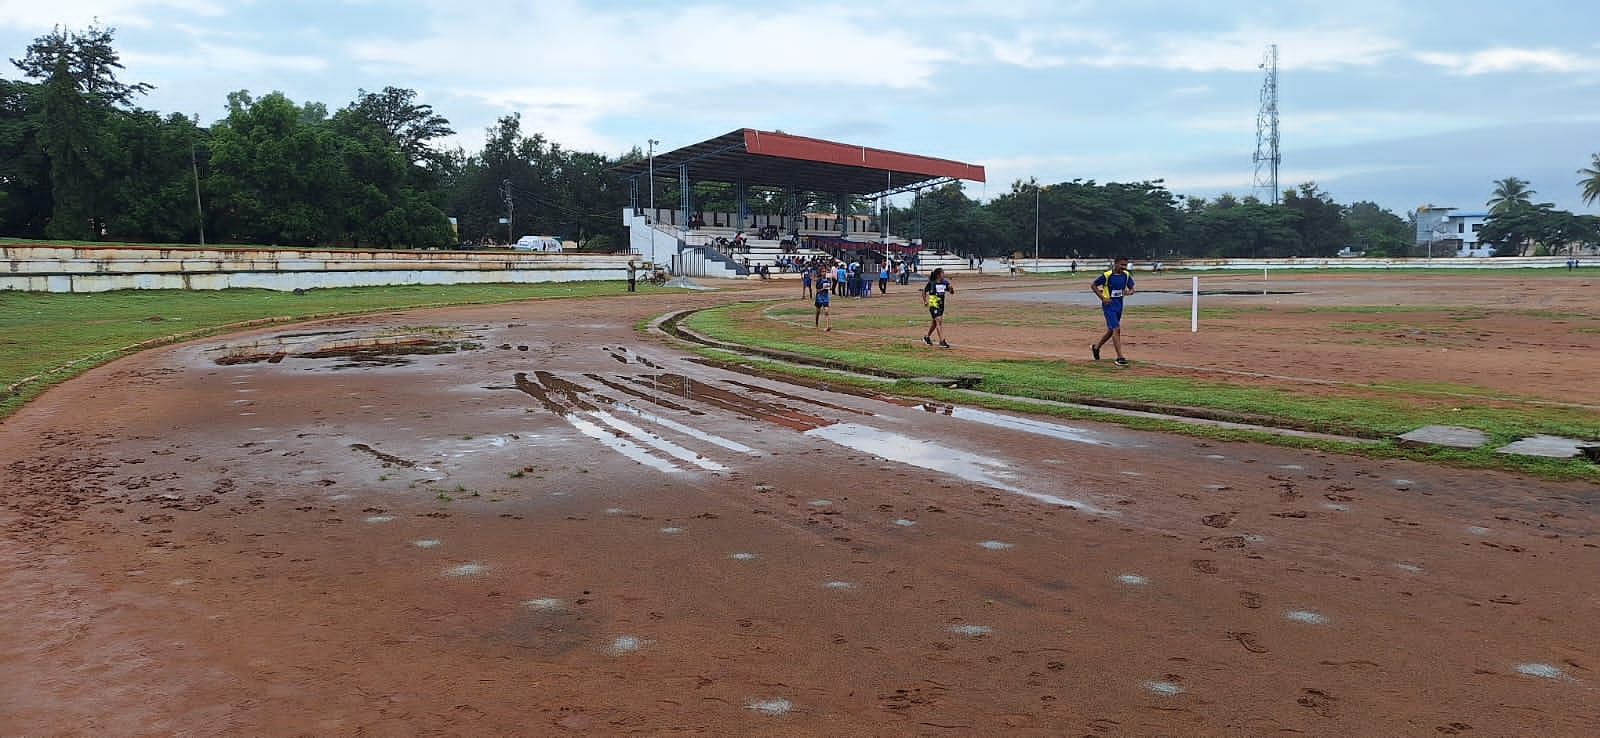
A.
x: 549, y: 244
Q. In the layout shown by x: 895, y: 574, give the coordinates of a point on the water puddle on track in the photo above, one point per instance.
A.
x: 1026, y: 425
x: 983, y: 470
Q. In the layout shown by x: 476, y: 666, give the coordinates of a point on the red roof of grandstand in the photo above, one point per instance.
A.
x: 772, y: 159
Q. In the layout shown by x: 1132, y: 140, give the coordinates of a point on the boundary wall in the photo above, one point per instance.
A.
x: 1144, y: 265
x: 49, y: 268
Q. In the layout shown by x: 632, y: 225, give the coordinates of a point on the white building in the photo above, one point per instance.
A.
x: 1447, y: 230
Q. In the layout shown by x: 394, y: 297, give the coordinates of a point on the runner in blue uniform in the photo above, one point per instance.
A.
x: 824, y: 285
x: 1111, y: 286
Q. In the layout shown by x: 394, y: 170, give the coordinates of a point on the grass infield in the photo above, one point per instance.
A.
x: 1368, y: 411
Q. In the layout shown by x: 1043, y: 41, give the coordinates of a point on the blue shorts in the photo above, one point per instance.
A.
x: 822, y: 299
x: 1113, y: 313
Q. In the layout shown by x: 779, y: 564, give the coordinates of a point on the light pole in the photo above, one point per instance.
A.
x: 652, y: 219
x: 1036, y: 226
x: 510, y: 213
x: 194, y: 163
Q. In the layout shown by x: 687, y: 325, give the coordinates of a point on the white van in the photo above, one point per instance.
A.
x: 549, y: 244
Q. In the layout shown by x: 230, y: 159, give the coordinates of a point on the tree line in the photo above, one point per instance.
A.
x: 79, y: 160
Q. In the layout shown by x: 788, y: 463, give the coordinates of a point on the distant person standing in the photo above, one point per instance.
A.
x: 805, y: 283
x: 633, y: 276
x: 936, y: 292
x: 1111, y: 286
x: 883, y: 278
x: 824, y: 290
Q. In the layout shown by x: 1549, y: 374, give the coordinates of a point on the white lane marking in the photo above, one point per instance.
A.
x: 671, y: 424
x: 928, y: 455
x: 622, y: 446
x: 657, y: 442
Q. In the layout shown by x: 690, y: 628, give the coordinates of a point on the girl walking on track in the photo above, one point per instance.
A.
x: 824, y: 289
x: 936, y: 292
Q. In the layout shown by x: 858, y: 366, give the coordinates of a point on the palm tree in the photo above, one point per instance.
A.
x: 1591, y: 181
x: 1509, y: 193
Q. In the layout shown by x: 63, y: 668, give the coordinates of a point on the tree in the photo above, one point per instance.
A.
x: 1591, y: 181
x: 1377, y: 230
x: 410, y: 126
x: 89, y: 60
x: 74, y: 105
x: 1509, y: 193
x: 1320, y: 221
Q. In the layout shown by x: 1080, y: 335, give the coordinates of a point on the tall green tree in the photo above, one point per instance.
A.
x: 1509, y: 193
x: 1591, y: 180
x: 75, y: 101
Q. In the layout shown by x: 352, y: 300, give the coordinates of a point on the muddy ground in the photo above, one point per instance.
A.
x: 573, y: 529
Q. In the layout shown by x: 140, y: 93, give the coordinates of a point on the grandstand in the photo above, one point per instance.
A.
x: 735, y: 244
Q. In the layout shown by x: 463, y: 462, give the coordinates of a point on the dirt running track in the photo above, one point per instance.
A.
x: 599, y: 536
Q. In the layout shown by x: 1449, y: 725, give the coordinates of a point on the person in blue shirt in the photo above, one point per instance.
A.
x: 824, y: 289
x: 805, y: 283
x: 1111, y: 286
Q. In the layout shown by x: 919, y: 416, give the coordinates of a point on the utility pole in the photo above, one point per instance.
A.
x: 194, y: 163
x: 1036, y: 226
x: 652, y: 219
x: 505, y: 188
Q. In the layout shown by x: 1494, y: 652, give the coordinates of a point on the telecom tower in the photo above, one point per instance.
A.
x: 1268, y: 157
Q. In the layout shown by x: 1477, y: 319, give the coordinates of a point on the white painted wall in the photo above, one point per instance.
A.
x: 101, y: 269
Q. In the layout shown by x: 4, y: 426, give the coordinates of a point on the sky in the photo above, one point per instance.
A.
x: 1401, y: 103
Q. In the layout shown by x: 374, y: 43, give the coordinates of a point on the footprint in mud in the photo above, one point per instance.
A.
x: 1219, y: 520
x: 1453, y: 728
x: 1204, y: 566
x: 1317, y: 701
x: 1250, y: 641
x: 1251, y: 600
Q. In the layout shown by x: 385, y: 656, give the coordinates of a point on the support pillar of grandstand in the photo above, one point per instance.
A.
x: 741, y: 194
x: 684, y: 197
x: 845, y: 202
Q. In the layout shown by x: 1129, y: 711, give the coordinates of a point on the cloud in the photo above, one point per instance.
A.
x: 565, y: 115
x: 42, y: 15
x: 1241, y: 50
x: 210, y: 57
x: 1498, y: 60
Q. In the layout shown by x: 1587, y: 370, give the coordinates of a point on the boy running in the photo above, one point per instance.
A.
x: 1111, y: 287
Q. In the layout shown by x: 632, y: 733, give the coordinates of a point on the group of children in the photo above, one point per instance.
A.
x: 823, y: 282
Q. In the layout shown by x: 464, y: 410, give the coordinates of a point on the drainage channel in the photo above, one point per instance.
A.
x: 670, y: 326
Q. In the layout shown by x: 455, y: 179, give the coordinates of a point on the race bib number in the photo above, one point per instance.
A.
x: 1116, y: 293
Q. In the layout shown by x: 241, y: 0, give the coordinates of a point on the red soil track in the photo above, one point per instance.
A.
x: 201, y: 549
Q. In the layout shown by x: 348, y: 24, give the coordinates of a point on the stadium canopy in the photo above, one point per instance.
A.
x: 755, y: 158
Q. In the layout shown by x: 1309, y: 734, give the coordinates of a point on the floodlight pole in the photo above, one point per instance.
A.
x: 652, y: 219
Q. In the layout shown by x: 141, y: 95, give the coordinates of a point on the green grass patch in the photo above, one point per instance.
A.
x: 1365, y: 411
x: 41, y: 333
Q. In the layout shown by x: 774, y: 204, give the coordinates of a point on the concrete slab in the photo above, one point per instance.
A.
x: 1554, y: 447
x: 1444, y: 435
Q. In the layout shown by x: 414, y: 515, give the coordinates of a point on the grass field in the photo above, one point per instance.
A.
x: 1350, y: 368
x: 57, y: 336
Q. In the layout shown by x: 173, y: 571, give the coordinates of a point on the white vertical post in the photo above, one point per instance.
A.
x: 1263, y: 280
x: 1194, y: 307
